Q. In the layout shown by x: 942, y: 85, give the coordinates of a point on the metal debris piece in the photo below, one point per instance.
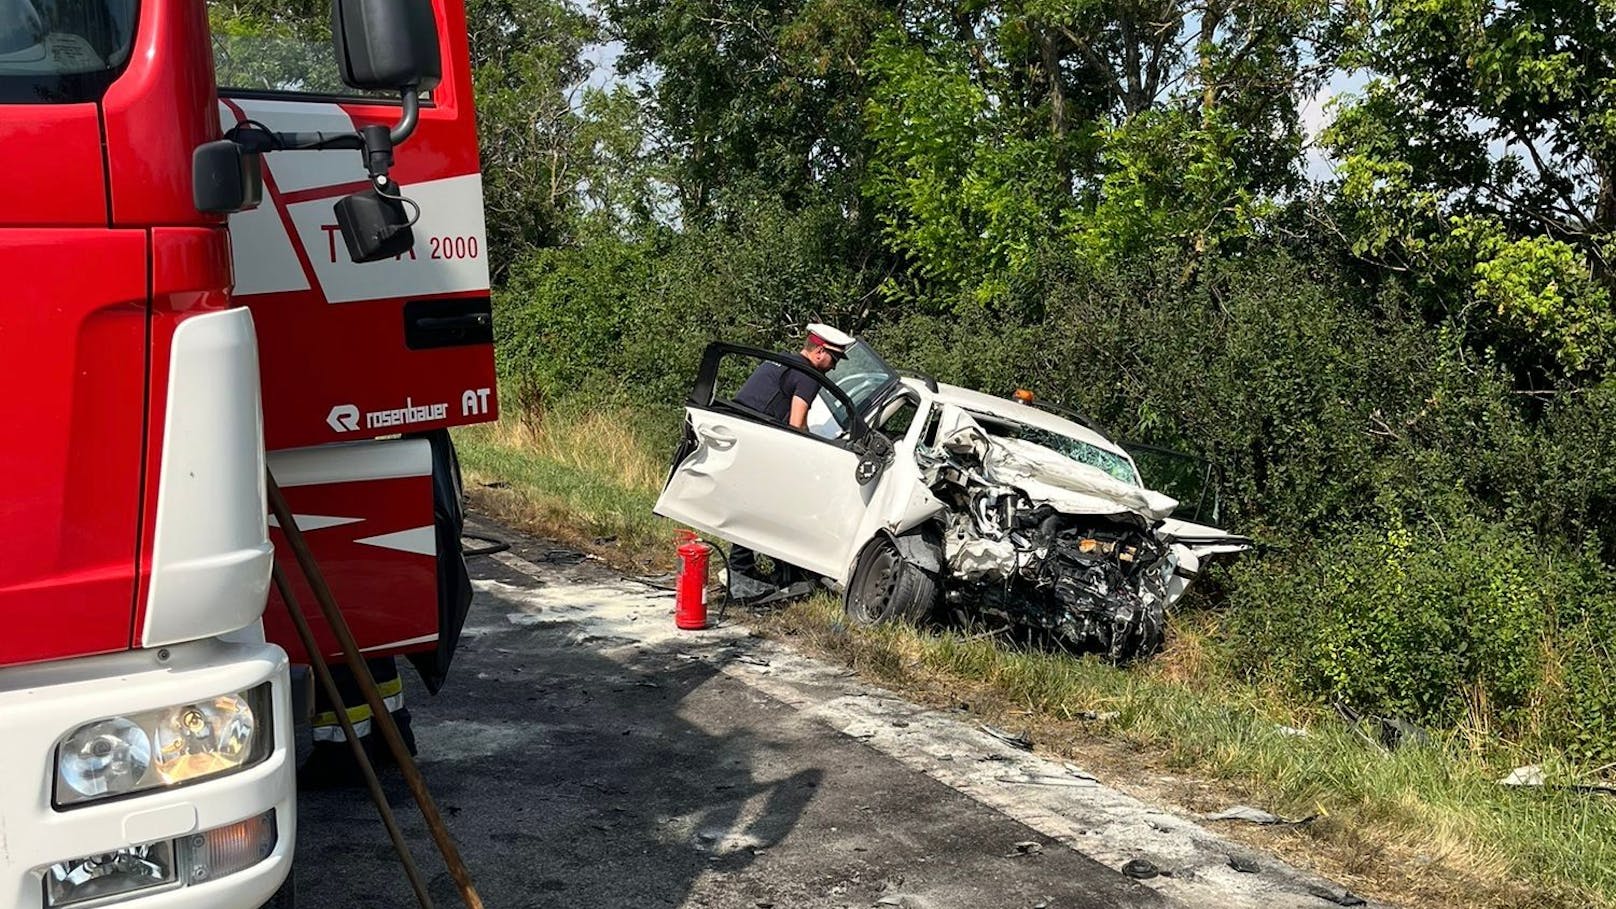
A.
x: 1257, y: 816
x: 1245, y: 813
x: 1026, y: 847
x: 745, y: 588
x: 1141, y: 869
x: 1388, y: 733
x: 1013, y: 740
x: 1339, y: 897
x: 1243, y: 864
x: 1530, y: 775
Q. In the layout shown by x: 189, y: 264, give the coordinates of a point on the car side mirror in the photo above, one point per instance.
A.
x: 875, y: 455
x: 386, y: 45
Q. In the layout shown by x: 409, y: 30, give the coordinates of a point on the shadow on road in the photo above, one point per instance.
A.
x: 567, y: 778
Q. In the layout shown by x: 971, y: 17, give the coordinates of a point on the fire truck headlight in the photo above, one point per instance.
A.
x: 181, y: 744
x: 199, y: 740
x: 105, y: 758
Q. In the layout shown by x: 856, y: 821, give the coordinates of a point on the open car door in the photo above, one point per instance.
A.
x: 747, y: 478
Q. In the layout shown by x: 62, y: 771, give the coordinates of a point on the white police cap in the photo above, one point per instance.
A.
x: 833, y: 340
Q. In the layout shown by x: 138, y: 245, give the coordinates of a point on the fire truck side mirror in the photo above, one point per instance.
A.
x: 226, y: 178
x: 374, y: 225
x: 387, y: 45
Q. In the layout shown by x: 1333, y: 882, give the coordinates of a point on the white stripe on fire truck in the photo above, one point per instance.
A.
x: 312, y: 522
x: 418, y: 540
x: 408, y: 642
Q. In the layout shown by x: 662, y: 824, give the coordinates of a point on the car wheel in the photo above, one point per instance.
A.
x: 886, y: 587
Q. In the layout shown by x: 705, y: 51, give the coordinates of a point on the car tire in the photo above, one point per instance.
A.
x: 887, y: 587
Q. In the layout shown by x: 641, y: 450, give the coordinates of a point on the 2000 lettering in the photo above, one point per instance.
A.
x: 454, y: 248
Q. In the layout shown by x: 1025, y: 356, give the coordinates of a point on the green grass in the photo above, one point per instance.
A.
x: 1421, y: 826
x: 589, y: 479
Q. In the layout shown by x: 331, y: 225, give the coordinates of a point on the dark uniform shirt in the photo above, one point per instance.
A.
x: 772, y: 386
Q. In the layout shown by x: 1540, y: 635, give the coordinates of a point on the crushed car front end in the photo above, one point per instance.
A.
x: 1049, y: 529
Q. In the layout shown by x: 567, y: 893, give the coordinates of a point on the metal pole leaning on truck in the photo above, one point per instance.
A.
x: 323, y: 672
x: 367, y: 684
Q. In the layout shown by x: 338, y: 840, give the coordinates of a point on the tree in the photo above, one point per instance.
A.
x: 1106, y: 126
x: 527, y: 74
x: 1484, y: 153
x: 760, y: 94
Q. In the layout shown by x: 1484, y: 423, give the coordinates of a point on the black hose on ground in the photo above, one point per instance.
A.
x: 494, y: 546
x: 729, y: 576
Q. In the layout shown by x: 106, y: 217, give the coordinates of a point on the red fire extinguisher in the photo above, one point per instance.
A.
x: 690, y: 602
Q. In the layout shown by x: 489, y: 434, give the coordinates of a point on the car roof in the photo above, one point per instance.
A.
x: 1020, y: 413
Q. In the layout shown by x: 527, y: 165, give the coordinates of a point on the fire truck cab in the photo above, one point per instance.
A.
x: 223, y: 255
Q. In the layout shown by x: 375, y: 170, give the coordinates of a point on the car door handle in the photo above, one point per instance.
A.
x: 718, y: 438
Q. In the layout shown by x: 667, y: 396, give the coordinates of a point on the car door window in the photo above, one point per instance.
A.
x: 1183, y: 476
x: 750, y: 384
x: 860, y: 375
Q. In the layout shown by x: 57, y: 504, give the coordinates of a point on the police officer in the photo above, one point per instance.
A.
x: 786, y: 394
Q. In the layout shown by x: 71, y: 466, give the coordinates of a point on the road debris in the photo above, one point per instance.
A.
x: 1026, y: 847
x: 1257, y: 816
x: 1243, y: 864
x: 1335, y: 895
x: 1389, y: 733
x: 1014, y: 740
x: 1530, y: 775
x: 1049, y: 779
x: 1141, y: 869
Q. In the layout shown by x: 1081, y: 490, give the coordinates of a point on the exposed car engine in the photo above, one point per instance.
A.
x: 1093, y: 582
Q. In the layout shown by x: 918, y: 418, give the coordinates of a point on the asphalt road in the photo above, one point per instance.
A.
x: 586, y: 754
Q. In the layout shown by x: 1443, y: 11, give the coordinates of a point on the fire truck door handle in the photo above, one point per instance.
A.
x: 448, y: 323
x: 471, y: 320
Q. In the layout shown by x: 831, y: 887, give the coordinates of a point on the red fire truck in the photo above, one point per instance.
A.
x: 216, y: 251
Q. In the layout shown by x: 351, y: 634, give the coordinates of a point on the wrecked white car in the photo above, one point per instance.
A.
x: 911, y: 495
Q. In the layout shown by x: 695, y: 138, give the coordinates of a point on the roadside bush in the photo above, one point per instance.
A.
x: 627, y: 321
x: 1435, y: 624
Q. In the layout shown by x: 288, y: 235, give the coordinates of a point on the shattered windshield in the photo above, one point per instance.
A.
x: 861, y: 373
x: 1115, y: 465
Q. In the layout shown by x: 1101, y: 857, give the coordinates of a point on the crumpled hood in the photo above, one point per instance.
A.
x: 1049, y: 477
